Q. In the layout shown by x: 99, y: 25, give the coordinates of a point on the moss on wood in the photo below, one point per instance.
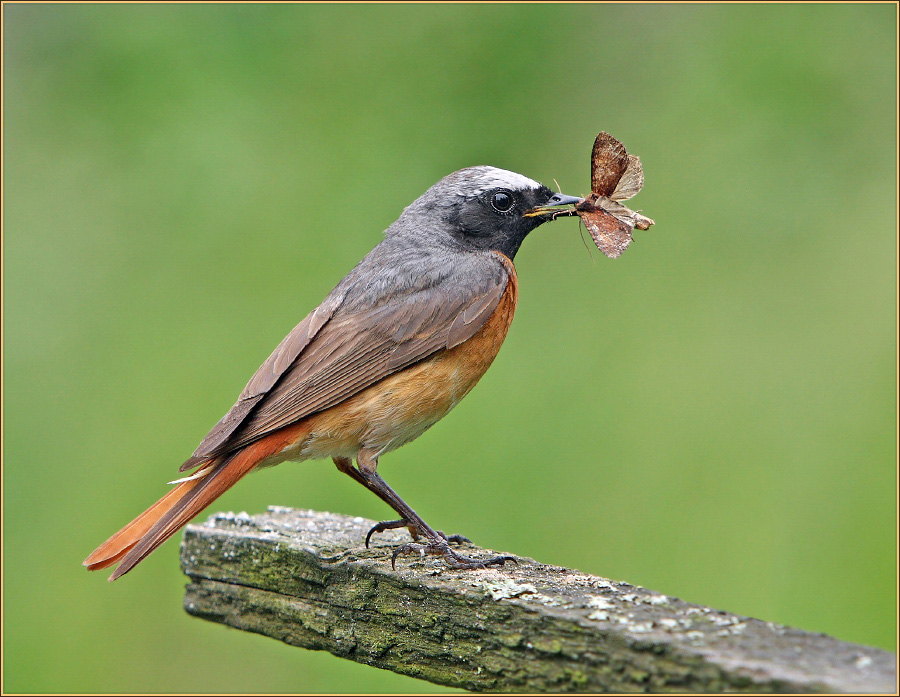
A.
x: 305, y: 578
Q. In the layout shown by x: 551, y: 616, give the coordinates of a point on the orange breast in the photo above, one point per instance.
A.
x: 404, y: 405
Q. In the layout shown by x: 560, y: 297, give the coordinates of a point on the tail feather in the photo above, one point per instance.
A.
x: 115, y: 547
x: 216, y: 483
x: 173, y: 511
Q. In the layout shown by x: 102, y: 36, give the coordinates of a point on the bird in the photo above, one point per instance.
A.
x: 388, y: 353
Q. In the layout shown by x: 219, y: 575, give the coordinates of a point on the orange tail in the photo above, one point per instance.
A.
x: 118, y: 545
x: 173, y: 511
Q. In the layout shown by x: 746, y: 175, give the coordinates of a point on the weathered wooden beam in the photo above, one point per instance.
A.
x: 305, y: 578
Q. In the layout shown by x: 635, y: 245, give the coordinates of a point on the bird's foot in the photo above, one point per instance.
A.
x: 455, y: 560
x: 414, y: 530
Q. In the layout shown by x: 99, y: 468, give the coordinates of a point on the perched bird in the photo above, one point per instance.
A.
x: 393, y: 348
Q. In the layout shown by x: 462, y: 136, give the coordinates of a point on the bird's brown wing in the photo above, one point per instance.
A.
x: 263, y: 380
x: 335, y: 353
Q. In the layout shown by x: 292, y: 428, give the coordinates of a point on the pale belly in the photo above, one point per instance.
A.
x: 385, y: 416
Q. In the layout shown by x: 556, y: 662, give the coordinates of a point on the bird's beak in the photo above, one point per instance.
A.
x: 554, y: 206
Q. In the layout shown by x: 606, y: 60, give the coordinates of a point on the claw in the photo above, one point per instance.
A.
x: 403, y: 549
x: 387, y: 525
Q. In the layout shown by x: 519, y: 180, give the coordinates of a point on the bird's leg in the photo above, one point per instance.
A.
x: 436, y: 541
x: 345, y: 465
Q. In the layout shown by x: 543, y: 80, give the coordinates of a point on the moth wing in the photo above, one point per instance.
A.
x: 632, y: 180
x: 609, y: 162
x: 611, y: 235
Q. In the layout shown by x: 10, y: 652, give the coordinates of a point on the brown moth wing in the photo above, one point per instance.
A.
x: 608, y: 163
x: 611, y: 235
x: 631, y: 182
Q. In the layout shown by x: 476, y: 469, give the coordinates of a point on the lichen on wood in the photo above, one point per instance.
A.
x: 305, y: 578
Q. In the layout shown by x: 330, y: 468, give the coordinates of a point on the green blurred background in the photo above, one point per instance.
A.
x: 712, y: 415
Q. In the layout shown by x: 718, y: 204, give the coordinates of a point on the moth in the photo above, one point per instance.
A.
x: 615, y: 176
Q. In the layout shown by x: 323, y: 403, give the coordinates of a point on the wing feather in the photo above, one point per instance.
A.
x: 215, y: 442
x: 344, y: 346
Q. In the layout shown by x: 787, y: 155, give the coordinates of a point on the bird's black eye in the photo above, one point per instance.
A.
x: 502, y: 201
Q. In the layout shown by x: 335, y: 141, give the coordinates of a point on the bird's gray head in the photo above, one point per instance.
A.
x: 479, y: 208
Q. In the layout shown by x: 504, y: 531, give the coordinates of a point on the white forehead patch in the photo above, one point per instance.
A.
x: 481, y: 179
